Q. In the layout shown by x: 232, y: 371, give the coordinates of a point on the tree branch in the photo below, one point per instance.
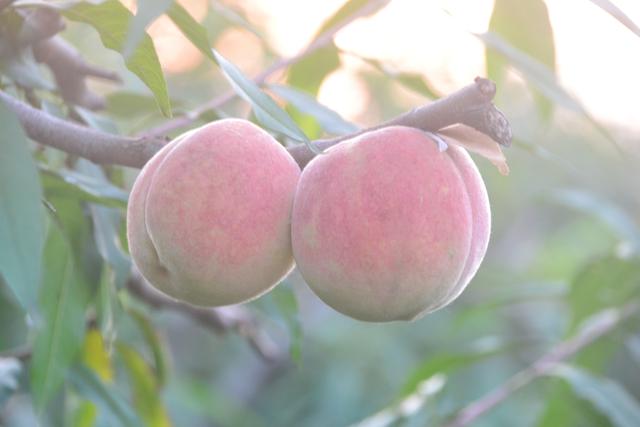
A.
x: 470, y: 105
x: 220, y: 320
x: 68, y: 67
x: 71, y: 71
x: 323, y: 40
x: 97, y: 146
x: 604, y: 322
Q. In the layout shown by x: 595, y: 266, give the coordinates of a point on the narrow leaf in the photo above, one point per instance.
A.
x: 109, y: 401
x: 265, y: 108
x: 447, y: 362
x: 413, y: 81
x: 22, y: 230
x: 608, y: 281
x: 525, y: 25
x: 541, y: 78
x: 477, y: 142
x: 287, y: 306
x: 609, y: 397
x: 191, y: 28
x: 106, y: 225
x: 603, y: 209
x: 348, y: 9
x: 96, y: 357
x: 64, y: 182
x: 618, y: 14
x: 144, y: 387
x: 84, y: 415
x: 147, y: 12
x: 309, y: 73
x: 111, y: 20
x: 63, y: 300
x: 154, y: 342
x: 330, y: 121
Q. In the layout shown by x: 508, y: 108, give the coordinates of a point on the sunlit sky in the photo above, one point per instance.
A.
x: 598, y: 58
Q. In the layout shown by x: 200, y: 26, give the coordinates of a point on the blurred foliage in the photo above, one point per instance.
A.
x: 564, y: 247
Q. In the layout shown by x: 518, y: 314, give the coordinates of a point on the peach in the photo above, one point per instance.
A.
x: 386, y: 227
x: 208, y: 220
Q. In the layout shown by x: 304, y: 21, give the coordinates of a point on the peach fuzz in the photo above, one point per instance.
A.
x: 208, y: 220
x: 386, y: 227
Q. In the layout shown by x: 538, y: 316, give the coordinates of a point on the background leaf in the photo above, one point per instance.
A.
x: 63, y: 300
x: 145, y: 388
x: 265, y: 109
x: 111, y: 20
x: 525, y: 25
x: 607, y: 396
x: 191, y: 28
x: 328, y: 119
x: 110, y: 402
x: 22, y: 230
x: 147, y: 12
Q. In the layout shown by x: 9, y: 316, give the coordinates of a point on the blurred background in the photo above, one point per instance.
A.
x: 564, y: 245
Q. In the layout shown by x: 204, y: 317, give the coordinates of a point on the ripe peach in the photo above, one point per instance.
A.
x: 209, y: 215
x: 385, y: 227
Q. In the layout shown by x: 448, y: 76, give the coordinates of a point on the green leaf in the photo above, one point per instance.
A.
x: 348, y: 9
x: 605, y: 210
x: 129, y: 105
x: 147, y: 12
x: 22, y: 229
x: 145, y: 388
x: 68, y: 183
x: 63, y: 300
x: 265, y: 108
x: 10, y: 369
x: 191, y: 28
x: 609, y: 397
x: 413, y: 81
x: 111, y: 20
x: 606, y: 282
x: 447, y: 362
x: 154, y: 342
x: 309, y: 73
x: 109, y: 401
x: 106, y: 225
x: 541, y: 77
x: 84, y: 415
x: 330, y: 121
x: 287, y: 306
x: 97, y: 121
x: 525, y: 25
x: 95, y: 355
x: 235, y: 18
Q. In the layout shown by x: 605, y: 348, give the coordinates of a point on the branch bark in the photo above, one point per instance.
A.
x: 470, y: 105
x: 608, y: 321
x: 99, y: 147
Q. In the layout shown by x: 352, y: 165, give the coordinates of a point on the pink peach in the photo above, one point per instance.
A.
x: 386, y: 227
x: 209, y: 215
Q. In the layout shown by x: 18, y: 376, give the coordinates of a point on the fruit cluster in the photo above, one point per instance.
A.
x: 382, y: 227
